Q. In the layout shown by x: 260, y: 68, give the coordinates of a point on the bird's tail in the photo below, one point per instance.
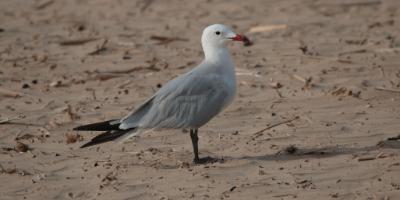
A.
x: 106, y: 137
x: 109, y: 125
x: 112, y: 132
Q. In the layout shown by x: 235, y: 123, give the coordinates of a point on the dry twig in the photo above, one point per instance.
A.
x: 73, y: 42
x: 277, y: 124
x: 306, y: 81
x: 44, y: 5
x: 8, y: 120
x: 394, y: 138
x: 353, y: 52
x: 367, y: 158
x: 387, y: 89
x: 8, y: 93
x: 147, y: 4
x: 362, y: 3
x: 99, y: 48
x: 124, y: 84
x: 130, y: 70
x: 166, y: 40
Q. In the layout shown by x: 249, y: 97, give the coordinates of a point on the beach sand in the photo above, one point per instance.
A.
x: 316, y: 114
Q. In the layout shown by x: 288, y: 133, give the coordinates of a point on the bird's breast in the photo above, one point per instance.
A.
x: 228, y: 87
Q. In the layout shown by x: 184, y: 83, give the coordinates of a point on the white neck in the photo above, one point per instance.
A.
x: 217, y: 55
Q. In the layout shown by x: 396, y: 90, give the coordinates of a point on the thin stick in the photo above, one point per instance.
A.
x: 99, y: 48
x: 77, y: 41
x: 306, y: 81
x: 284, y: 195
x: 382, y: 71
x: 2, y: 170
x: 362, y: 3
x: 394, y: 138
x: 367, y: 158
x: 9, y: 93
x: 7, y: 120
x: 147, y: 4
x: 299, y: 78
x: 277, y: 124
x: 124, y: 84
x: 130, y: 70
x: 104, y: 77
x: 93, y: 92
x: 345, y: 61
x: 166, y: 40
x: 25, y: 124
x: 353, y: 52
x: 387, y: 89
x: 279, y: 93
x: 44, y: 5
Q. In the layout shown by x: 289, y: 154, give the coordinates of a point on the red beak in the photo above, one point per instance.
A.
x: 246, y: 41
x: 237, y: 38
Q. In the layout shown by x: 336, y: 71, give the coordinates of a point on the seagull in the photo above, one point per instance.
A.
x: 187, y: 102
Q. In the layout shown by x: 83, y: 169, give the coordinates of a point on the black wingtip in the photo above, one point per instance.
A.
x: 106, y: 137
x: 99, y: 126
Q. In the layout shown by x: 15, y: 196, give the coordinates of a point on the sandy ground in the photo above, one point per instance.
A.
x: 325, y: 72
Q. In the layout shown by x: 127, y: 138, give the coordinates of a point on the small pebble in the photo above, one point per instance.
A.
x: 25, y: 86
x: 81, y: 27
x: 21, y: 147
x: 56, y: 84
x: 72, y: 138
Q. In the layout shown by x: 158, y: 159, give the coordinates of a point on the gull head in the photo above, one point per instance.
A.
x: 218, y: 36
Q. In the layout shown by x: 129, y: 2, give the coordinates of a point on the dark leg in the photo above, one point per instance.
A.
x: 195, y: 140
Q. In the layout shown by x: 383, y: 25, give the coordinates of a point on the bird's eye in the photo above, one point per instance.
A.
x: 217, y: 33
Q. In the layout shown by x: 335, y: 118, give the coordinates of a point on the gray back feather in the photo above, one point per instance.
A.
x: 188, y: 101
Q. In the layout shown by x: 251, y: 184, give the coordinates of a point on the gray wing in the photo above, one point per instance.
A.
x: 133, y: 119
x: 189, y: 101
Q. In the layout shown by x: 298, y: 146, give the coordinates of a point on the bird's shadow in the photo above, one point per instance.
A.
x: 209, y: 160
x: 294, y: 153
